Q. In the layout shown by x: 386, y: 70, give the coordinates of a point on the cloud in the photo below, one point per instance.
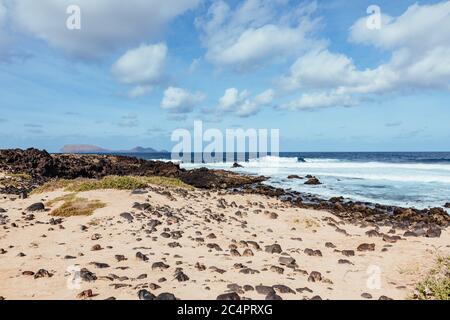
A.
x: 253, y: 31
x: 242, y: 104
x: 178, y: 100
x: 106, y: 25
x: 130, y: 120
x: 141, y: 65
x: 419, y: 43
x: 319, y: 100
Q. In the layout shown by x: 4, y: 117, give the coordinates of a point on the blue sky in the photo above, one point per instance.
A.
x: 312, y: 69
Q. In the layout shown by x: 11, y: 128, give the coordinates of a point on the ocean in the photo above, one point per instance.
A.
x: 407, y: 179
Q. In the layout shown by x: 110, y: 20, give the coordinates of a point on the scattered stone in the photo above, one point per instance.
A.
x: 228, y: 296
x: 273, y: 296
x: 166, y: 296
x: 120, y: 257
x: 265, y: 290
x: 159, y: 266
x: 39, y: 206
x: 330, y: 245
x: 87, y: 276
x: 274, y: 248
x: 277, y: 269
x: 294, y: 176
x: 315, y: 276
x: 127, y: 216
x: 433, y: 232
x: 145, y: 295
x: 313, y: 253
x: 366, y: 247
x: 366, y: 295
x: 348, y: 253
x: 85, y: 294
x: 140, y: 256
x: 42, y: 273
x: 96, y: 247
x: 280, y: 288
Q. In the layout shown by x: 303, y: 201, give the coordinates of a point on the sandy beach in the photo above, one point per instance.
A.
x: 199, y: 244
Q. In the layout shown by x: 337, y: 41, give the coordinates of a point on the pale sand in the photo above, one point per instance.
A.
x: 402, y: 265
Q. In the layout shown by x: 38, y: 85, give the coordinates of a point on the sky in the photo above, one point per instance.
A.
x: 331, y: 75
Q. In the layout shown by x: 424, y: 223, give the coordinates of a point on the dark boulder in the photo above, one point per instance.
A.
x: 313, y: 181
x: 39, y: 206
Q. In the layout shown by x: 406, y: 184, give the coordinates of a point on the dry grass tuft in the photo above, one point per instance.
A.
x: 436, y: 286
x: 110, y: 182
x: 75, y: 206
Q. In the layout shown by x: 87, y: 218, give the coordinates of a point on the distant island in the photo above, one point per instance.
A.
x: 85, y: 148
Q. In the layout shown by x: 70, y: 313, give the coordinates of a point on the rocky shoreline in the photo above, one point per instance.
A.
x: 41, y: 167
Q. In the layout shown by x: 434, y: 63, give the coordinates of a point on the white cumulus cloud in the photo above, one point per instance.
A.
x: 253, y: 31
x: 178, y: 100
x: 106, y: 25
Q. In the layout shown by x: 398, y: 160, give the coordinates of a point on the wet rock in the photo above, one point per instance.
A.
x: 39, y: 206
x: 274, y: 248
x: 237, y: 165
x: 366, y: 247
x: 294, y: 176
x: 145, y: 295
x: 315, y: 276
x: 229, y: 296
x: 447, y: 205
x: 313, y: 181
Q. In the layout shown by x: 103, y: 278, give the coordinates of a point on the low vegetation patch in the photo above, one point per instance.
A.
x: 75, y: 206
x: 110, y: 182
x: 436, y: 286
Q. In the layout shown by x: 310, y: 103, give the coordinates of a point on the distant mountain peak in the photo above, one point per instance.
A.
x: 86, y: 148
